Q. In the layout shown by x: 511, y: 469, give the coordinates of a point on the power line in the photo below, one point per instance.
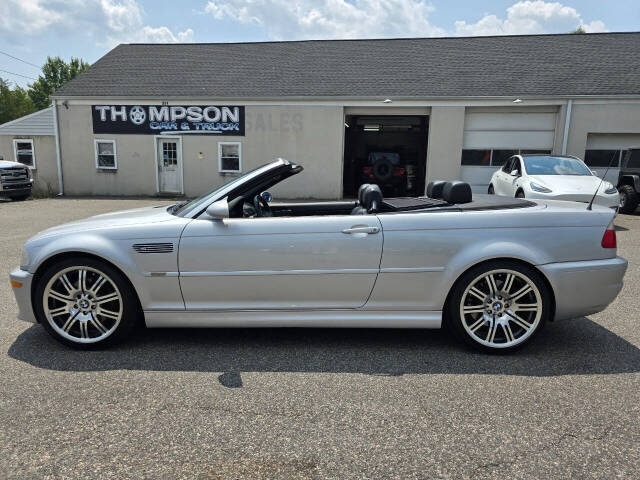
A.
x: 18, y: 75
x: 20, y: 60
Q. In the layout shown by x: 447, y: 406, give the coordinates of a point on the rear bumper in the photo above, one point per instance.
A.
x: 23, y: 294
x: 584, y: 288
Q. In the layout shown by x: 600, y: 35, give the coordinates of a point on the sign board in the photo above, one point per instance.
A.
x: 165, y: 119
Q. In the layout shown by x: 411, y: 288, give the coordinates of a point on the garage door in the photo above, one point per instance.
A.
x: 603, y: 148
x: 493, y: 135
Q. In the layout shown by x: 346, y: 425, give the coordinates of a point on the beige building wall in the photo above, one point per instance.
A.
x: 309, y: 135
x: 600, y: 118
x: 45, y: 175
x: 444, y: 150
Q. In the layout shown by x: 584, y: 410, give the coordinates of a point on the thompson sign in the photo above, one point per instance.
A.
x: 156, y: 119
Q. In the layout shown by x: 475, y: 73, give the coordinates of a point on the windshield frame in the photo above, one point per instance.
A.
x: 193, y: 208
x: 559, y: 157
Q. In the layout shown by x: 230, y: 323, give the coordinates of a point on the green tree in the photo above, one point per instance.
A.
x: 579, y: 29
x: 55, y: 73
x: 14, y: 102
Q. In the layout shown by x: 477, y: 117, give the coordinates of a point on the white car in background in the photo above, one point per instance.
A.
x: 552, y: 177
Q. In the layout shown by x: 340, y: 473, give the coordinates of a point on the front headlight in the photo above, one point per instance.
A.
x: 609, y: 189
x: 539, y: 188
x: 24, y: 259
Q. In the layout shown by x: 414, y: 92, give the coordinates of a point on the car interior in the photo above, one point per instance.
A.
x: 252, y: 199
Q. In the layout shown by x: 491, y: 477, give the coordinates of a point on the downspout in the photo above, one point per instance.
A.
x: 58, y: 157
x: 567, y: 124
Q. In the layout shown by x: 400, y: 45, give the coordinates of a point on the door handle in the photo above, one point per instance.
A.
x: 361, y: 229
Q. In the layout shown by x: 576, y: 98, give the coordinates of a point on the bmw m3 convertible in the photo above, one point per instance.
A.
x: 491, y: 269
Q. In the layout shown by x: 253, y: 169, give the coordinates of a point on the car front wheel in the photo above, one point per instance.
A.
x: 85, y: 303
x: 491, y: 190
x: 498, y: 306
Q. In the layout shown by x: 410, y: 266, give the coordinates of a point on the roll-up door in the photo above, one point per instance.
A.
x: 493, y: 135
x: 605, y: 148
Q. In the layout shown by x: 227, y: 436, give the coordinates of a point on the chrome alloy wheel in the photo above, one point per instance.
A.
x: 501, y: 308
x: 82, y: 304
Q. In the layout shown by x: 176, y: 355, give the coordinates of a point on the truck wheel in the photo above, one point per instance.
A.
x: 85, y: 303
x: 628, y: 199
x: 19, y: 198
x: 498, y: 306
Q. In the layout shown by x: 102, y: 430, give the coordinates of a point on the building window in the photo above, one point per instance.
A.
x: 106, y: 154
x: 229, y: 157
x: 24, y: 152
x: 602, y: 158
x: 494, y: 157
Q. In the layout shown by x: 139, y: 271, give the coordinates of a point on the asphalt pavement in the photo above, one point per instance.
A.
x: 326, y: 404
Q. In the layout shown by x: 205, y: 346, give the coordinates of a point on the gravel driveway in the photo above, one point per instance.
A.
x: 334, y: 404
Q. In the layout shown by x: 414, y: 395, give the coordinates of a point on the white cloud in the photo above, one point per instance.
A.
x: 527, y: 17
x: 109, y: 21
x: 304, y: 19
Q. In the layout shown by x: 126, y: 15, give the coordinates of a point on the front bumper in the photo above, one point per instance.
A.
x: 23, y: 294
x: 584, y: 288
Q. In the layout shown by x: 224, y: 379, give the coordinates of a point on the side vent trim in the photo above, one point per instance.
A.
x: 153, y: 247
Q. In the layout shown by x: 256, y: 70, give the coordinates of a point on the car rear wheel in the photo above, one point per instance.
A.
x: 85, y: 303
x: 628, y: 199
x: 491, y: 191
x: 519, y: 194
x: 498, y: 306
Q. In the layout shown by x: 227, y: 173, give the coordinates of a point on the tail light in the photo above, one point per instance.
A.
x: 398, y: 171
x: 368, y: 171
x: 609, y: 237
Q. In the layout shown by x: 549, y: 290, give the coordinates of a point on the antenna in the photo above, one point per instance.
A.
x: 590, y: 206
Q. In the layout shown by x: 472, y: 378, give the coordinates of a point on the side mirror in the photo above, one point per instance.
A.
x: 267, y: 197
x: 218, y: 210
x: 515, y: 173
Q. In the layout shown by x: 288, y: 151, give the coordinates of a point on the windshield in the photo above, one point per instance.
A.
x: 184, y: 208
x: 546, y: 165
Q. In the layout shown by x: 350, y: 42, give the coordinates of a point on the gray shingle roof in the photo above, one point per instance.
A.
x: 547, y: 65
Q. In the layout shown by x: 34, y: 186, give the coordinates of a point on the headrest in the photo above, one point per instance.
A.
x: 361, y: 191
x: 434, y: 188
x: 456, y: 192
x: 371, y: 198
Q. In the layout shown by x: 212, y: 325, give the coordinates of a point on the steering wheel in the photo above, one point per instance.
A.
x: 262, y: 207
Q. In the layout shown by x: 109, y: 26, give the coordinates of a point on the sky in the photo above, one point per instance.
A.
x: 31, y: 30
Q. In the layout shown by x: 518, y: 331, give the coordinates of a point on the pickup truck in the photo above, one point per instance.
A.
x: 15, y: 180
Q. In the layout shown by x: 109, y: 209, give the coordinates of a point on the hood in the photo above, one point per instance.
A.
x: 137, y: 216
x: 8, y: 164
x: 579, y: 184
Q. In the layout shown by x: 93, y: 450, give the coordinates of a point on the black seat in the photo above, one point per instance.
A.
x: 370, y: 198
x: 434, y: 188
x: 457, y: 192
x: 359, y: 209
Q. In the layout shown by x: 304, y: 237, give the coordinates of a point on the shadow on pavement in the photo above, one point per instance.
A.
x: 577, y: 346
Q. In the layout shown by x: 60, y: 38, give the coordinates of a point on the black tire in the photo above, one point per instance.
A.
x: 628, y: 199
x: 491, y: 190
x: 130, y: 311
x: 382, y: 170
x: 519, y: 194
x: 20, y: 198
x: 456, y: 325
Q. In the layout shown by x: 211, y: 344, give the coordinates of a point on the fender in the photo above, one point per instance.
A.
x: 98, y: 246
x: 474, y: 254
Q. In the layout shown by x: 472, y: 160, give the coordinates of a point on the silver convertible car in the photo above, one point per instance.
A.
x: 491, y: 269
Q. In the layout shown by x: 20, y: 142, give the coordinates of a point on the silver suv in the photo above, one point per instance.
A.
x: 15, y: 180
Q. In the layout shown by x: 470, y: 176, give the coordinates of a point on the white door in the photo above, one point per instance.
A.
x: 169, y: 165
